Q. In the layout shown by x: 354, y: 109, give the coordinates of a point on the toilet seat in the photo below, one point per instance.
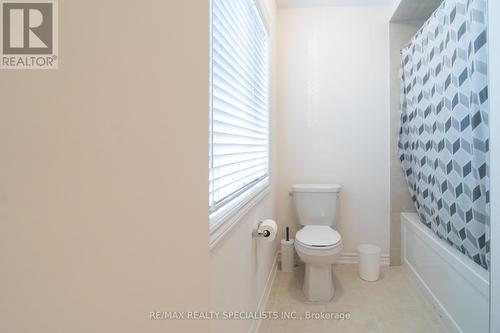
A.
x: 318, y: 237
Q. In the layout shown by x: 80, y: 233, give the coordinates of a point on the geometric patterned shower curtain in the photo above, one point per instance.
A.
x: 444, y: 133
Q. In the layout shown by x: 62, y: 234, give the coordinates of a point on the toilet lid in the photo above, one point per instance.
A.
x: 318, y: 235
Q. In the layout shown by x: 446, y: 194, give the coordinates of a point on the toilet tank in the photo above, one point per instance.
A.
x: 316, y: 204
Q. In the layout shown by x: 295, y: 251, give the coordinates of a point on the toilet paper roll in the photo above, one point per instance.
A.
x: 268, y: 225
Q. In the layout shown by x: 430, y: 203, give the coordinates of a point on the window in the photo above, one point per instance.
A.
x: 239, y: 106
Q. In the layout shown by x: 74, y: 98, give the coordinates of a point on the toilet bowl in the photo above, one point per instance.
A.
x: 317, y: 243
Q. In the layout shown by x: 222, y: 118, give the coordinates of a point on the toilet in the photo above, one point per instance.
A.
x: 317, y: 243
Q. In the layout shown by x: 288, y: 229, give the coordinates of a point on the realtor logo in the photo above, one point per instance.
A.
x: 29, y: 34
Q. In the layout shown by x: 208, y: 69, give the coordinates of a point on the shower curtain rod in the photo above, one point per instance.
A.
x: 422, y: 27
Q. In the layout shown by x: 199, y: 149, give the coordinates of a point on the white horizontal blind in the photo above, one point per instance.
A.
x: 239, y: 111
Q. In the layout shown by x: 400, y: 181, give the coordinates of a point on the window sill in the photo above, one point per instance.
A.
x: 221, y: 222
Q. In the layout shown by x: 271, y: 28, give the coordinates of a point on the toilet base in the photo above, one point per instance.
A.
x: 318, y: 283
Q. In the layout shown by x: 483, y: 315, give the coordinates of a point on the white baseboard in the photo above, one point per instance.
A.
x: 352, y: 258
x: 348, y: 258
x: 254, y: 327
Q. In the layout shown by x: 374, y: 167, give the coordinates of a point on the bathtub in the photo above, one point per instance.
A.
x: 457, y: 288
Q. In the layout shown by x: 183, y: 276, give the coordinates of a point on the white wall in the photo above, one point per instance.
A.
x: 494, y: 89
x: 241, y: 266
x: 97, y: 228
x: 333, y: 79
x: 400, y: 199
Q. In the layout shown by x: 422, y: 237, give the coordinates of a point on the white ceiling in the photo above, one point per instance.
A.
x: 415, y: 10
x: 332, y: 3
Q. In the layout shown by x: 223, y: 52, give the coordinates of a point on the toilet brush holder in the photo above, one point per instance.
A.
x: 287, y: 255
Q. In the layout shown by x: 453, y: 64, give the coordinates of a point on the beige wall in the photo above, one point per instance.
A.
x: 103, y: 173
x: 333, y: 78
x: 241, y: 266
x: 400, y: 35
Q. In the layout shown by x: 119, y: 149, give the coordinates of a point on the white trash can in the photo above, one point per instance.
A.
x: 369, y: 262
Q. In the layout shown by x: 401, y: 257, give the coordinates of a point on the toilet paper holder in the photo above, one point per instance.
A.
x: 260, y: 233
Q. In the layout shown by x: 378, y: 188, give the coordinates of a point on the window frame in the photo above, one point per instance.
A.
x: 225, y: 217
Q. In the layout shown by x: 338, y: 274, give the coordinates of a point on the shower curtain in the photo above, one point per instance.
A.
x: 444, y: 134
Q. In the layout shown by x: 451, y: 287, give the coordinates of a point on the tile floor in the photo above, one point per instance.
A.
x: 392, y: 304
